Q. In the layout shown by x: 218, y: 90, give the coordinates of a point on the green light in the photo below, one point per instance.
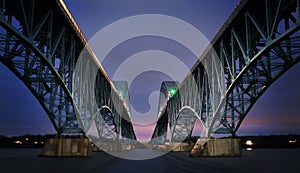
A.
x: 172, y: 91
x: 122, y: 95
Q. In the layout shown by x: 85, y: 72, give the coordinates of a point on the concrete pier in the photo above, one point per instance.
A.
x: 60, y: 147
x: 217, y: 147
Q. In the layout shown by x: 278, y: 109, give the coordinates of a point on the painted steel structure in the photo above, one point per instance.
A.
x: 167, y: 90
x: 40, y: 43
x: 258, y: 43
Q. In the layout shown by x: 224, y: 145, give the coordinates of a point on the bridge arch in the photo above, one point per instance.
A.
x: 43, y: 64
x: 184, y: 124
x: 41, y: 43
x: 277, y: 110
x: 256, y: 46
x: 259, y: 62
x: 106, y: 124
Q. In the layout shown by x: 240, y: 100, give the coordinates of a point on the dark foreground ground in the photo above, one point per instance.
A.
x: 255, y: 161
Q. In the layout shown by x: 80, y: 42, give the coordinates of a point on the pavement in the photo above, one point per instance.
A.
x: 257, y: 160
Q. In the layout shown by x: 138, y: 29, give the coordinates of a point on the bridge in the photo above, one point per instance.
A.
x: 257, y: 44
x: 42, y: 45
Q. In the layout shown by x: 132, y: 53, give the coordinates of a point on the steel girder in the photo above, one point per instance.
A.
x: 40, y: 43
x: 126, y: 127
x: 122, y: 88
x: 41, y: 54
x: 258, y: 43
x: 167, y: 90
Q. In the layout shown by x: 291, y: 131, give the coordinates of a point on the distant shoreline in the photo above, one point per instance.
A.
x: 271, y: 141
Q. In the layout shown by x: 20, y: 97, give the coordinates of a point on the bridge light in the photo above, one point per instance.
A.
x: 172, y: 91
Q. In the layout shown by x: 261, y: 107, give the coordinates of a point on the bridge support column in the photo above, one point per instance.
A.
x: 60, y: 147
x: 217, y: 147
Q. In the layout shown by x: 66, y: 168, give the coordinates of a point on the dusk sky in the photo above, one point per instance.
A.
x: 276, y: 112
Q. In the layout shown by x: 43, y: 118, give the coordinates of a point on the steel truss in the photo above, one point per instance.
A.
x: 258, y: 43
x: 40, y: 43
x: 167, y: 90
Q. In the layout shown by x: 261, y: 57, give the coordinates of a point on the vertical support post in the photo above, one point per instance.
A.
x: 60, y: 107
x: 49, y: 38
x: 2, y: 7
x: 2, y: 10
x: 298, y: 9
x: 207, y: 108
x: 232, y: 110
x: 26, y: 63
x: 119, y: 125
x: 31, y: 26
x: 233, y: 64
x: 7, y: 39
x: 248, y: 37
x: 268, y: 18
x: 288, y: 40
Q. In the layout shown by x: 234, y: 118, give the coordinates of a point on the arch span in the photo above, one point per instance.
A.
x: 184, y: 124
x: 41, y: 44
x: 258, y: 43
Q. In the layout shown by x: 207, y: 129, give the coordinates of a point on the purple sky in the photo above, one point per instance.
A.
x: 276, y: 112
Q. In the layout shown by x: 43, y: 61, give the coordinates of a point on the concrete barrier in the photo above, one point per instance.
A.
x: 60, y: 147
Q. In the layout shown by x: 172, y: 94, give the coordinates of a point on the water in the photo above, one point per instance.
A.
x: 257, y: 160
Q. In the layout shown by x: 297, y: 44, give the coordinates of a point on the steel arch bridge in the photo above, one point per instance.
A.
x: 258, y: 43
x: 41, y: 43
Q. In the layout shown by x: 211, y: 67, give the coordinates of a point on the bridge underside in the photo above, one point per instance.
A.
x: 257, y: 44
x: 41, y: 44
x: 40, y: 49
